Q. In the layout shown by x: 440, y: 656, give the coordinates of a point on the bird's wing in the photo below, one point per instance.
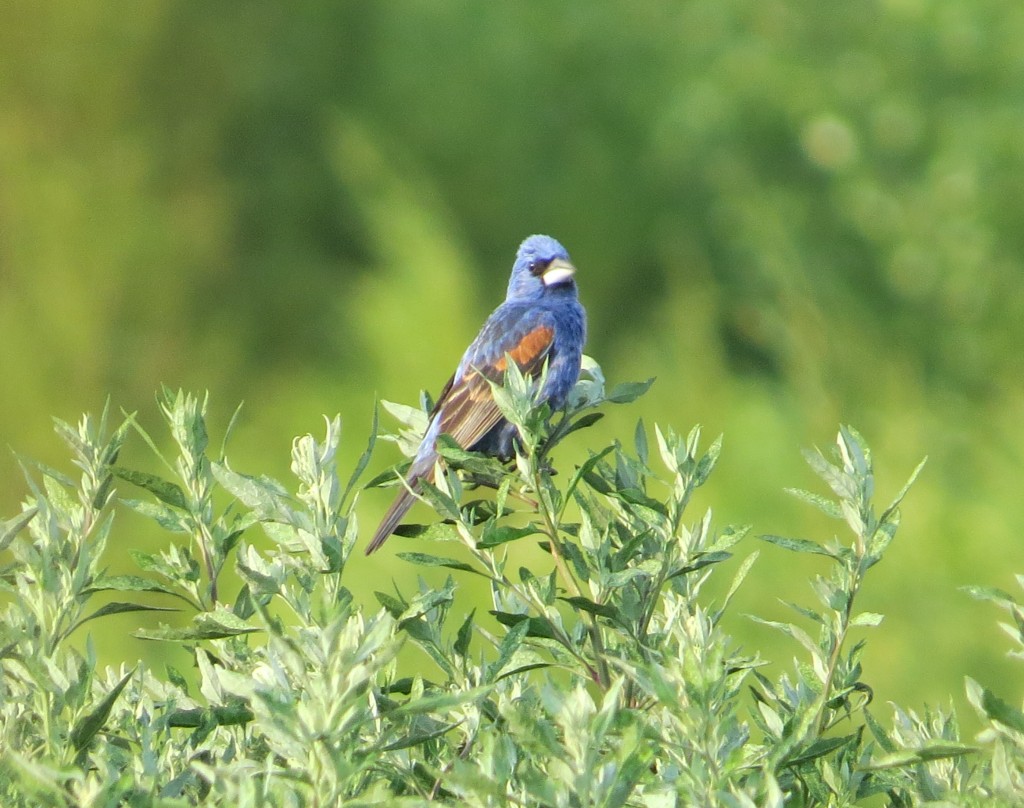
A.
x: 466, y: 404
x: 467, y: 408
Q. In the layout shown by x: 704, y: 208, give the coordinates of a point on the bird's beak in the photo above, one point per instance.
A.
x: 558, y: 271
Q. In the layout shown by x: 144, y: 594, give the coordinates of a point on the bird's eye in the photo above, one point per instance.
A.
x: 537, y: 266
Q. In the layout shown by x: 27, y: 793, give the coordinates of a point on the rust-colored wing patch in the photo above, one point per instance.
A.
x: 532, y: 348
x: 467, y: 409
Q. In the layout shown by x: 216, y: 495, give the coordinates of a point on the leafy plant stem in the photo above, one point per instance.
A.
x: 551, y: 530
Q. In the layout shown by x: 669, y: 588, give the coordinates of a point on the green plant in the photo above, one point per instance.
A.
x: 602, y: 677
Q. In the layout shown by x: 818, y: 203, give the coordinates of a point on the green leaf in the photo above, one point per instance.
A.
x: 464, y: 635
x: 438, y: 531
x: 263, y: 494
x: 737, y: 580
x: 257, y: 582
x: 441, y: 702
x: 587, y: 468
x: 881, y: 736
x: 708, y: 462
x: 842, y: 484
x: 640, y: 441
x: 119, y: 608
x: 167, y: 517
x: 13, y: 526
x: 131, y: 583
x: 649, y: 509
x: 867, y: 619
x: 230, y: 429
x: 797, y: 545
x: 418, y: 738
x: 38, y: 778
x: 393, y: 606
x: 425, y: 560
x: 389, y: 477
x: 699, y: 562
x: 990, y: 593
x: 536, y: 626
x: 509, y: 645
x: 415, y: 419
x: 495, y: 534
x: 820, y: 748
x: 648, y: 568
x: 728, y: 538
x: 998, y: 710
x: 823, y: 504
x: 597, y: 482
x: 364, y: 458
x: 587, y: 605
x: 473, y: 462
x: 931, y: 749
x: 85, y: 728
x: 629, y: 391
x: 440, y: 501
x: 226, y: 715
x: 895, y: 504
x: 790, y: 630
x: 205, y: 626
x: 164, y: 490
x: 582, y: 422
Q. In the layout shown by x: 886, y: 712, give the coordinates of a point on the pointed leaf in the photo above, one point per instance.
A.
x: 495, y: 534
x: 120, y: 608
x: 264, y: 495
x: 931, y: 749
x: 509, y: 645
x: 464, y: 635
x: 441, y: 702
x: 823, y: 504
x: 473, y: 462
x: 164, y: 490
x: 364, y: 458
x: 1003, y: 712
x: 991, y: 593
x: 796, y: 545
x: 131, y: 583
x: 699, y: 562
x: 640, y: 441
x: 582, y: 422
x: 438, y: 531
x: 586, y: 469
x: 10, y: 528
x: 587, y: 605
x: 629, y: 391
x: 427, y: 560
x: 91, y: 723
x: 536, y: 626
x: 205, y: 626
x: 895, y: 504
x: 867, y: 619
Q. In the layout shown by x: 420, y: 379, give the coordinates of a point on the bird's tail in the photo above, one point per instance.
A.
x: 399, y: 508
x: 392, y: 519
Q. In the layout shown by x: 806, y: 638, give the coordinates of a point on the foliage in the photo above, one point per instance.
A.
x: 604, y: 678
x: 794, y: 213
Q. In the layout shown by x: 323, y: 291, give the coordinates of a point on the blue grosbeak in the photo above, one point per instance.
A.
x: 540, y: 320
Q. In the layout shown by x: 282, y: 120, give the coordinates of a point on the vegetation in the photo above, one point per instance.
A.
x: 793, y: 213
x: 603, y: 676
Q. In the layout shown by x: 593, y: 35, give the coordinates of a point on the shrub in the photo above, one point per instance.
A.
x: 601, y: 678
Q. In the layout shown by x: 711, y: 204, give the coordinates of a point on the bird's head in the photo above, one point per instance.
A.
x: 542, y: 264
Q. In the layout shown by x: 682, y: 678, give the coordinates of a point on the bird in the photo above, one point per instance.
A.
x: 541, y: 320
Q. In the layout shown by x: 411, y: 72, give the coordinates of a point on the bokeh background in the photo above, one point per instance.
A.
x: 794, y: 213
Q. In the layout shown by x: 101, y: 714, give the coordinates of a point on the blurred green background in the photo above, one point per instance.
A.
x: 792, y: 212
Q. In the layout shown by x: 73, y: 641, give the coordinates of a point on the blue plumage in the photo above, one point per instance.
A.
x: 541, y: 319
